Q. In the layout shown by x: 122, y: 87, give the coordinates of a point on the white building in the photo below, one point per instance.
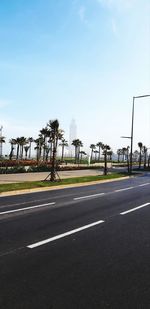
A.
x: 72, y: 136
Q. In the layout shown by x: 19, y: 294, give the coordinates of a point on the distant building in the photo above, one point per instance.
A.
x: 72, y: 136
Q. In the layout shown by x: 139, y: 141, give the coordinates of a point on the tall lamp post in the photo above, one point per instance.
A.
x: 132, y: 124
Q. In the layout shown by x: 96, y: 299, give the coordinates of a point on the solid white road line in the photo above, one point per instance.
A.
x: 129, y: 188
x: 144, y: 184
x: 26, y: 208
x: 134, y: 209
x: 88, y: 196
x: 43, y: 242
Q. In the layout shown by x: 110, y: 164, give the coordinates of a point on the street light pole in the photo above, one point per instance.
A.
x: 132, y: 125
x: 131, y: 148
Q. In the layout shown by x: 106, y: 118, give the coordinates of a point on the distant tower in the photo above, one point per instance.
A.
x: 1, y: 141
x: 72, y: 135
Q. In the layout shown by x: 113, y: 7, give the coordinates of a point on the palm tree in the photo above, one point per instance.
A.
x: 22, y: 143
x: 45, y: 133
x: 82, y: 153
x: 119, y: 153
x: 12, y: 142
x: 56, y: 134
x: 127, y: 153
x: 109, y: 153
x: 63, y: 144
x: 145, y: 155
x: 148, y: 160
x: 96, y: 152
x: 124, y: 149
x: 30, y: 141
x: 2, y: 140
x: 39, y: 143
x: 140, y: 145
x: 92, y: 146
x: 106, y: 148
x: 17, y: 141
x: 99, y: 145
x: 77, y: 144
x: 26, y: 148
x: 47, y: 149
x: 136, y: 155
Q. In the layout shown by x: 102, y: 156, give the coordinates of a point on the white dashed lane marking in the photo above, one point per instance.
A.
x: 26, y: 208
x: 43, y: 242
x: 88, y: 196
x: 134, y: 209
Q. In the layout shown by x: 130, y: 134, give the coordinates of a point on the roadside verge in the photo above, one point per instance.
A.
x: 39, y: 186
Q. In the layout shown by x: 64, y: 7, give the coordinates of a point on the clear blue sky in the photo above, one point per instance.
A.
x: 82, y: 59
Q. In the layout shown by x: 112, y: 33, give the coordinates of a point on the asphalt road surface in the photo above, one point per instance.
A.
x: 86, y: 247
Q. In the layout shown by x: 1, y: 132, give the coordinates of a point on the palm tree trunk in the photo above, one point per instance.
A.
x: 91, y: 155
x: 145, y: 159
x: 53, y: 173
x: 105, y: 163
x: 26, y: 152
x: 17, y: 156
x: 75, y: 154
x: 62, y: 156
x: 99, y: 156
x: 30, y: 151
x: 140, y: 159
x: 78, y: 154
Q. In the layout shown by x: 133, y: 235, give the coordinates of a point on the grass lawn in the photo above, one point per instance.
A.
x: 42, y: 184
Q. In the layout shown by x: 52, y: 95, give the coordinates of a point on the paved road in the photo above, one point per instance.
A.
x: 82, y: 248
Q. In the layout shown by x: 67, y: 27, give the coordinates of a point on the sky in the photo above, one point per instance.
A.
x: 81, y: 59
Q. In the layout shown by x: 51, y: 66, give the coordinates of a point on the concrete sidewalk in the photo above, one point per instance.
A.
x: 14, y: 178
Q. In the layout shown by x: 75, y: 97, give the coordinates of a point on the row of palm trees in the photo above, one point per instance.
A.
x: 143, y: 154
x: 123, y: 153
x: 44, y: 147
x: 23, y: 144
x: 44, y: 144
x: 140, y: 156
x: 101, y: 147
